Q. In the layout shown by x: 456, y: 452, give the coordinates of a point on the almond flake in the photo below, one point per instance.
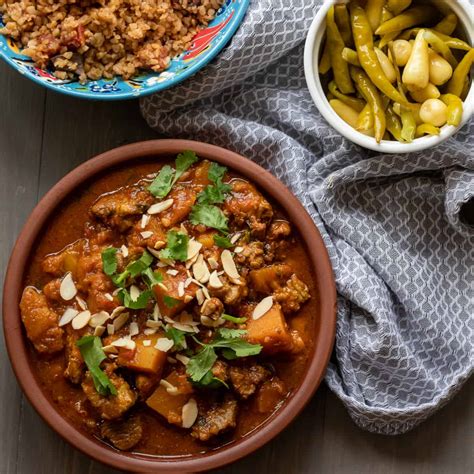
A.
x: 206, y: 294
x: 68, y: 289
x: 134, y: 292
x: 235, y: 237
x: 153, y: 324
x: 172, y: 272
x: 120, y: 320
x: 192, y: 261
x: 81, y: 319
x: 238, y: 249
x: 189, y: 413
x: 154, y: 252
x: 99, y: 330
x: 160, y: 206
x: 171, y: 360
x: 146, y: 342
x: 181, y: 289
x: 110, y: 329
x: 110, y: 349
x: 82, y: 304
x: 109, y: 296
x: 164, y: 344
x: 144, y: 221
x: 182, y: 327
x: 133, y: 329
x: 187, y: 299
x: 125, y: 342
x: 182, y: 358
x: 214, y: 281
x: 187, y: 282
x: 199, y: 296
x: 124, y: 250
x: 116, y: 311
x: 263, y: 307
x: 68, y: 316
x: 200, y: 270
x: 149, y: 331
x: 194, y: 247
x: 171, y: 389
x: 99, y: 319
x: 159, y: 244
x: 229, y: 264
x: 213, y: 263
x: 146, y: 234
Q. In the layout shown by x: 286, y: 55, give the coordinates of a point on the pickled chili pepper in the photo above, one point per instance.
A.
x: 417, y: 69
x: 456, y: 83
x: 455, y: 108
x: 365, y: 120
x: 343, y: 22
x: 426, y: 129
x: 449, y: 41
x: 393, y: 124
x: 363, y: 40
x: 353, y: 102
x: 336, y: 44
x: 373, y: 10
x: 325, y: 61
x: 447, y: 25
x: 351, y: 56
x: 397, y: 6
x: 386, y: 15
x: 348, y: 114
x: 439, y: 46
x: 385, y: 39
x: 413, y: 16
x: 408, y: 124
x: 371, y: 94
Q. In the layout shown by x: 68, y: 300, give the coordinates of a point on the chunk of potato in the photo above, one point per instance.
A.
x: 169, y: 403
x: 207, y: 239
x: 143, y: 358
x: 270, y: 331
x: 267, y: 279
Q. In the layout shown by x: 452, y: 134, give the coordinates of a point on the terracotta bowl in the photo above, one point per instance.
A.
x: 17, y: 343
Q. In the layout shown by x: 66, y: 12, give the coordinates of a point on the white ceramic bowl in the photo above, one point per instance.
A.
x: 314, y: 40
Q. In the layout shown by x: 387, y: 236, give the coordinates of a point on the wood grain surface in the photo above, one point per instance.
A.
x: 43, y: 135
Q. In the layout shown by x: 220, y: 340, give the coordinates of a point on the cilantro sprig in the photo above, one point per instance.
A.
x: 222, y: 241
x: 216, y: 193
x: 133, y: 269
x: 232, y: 345
x: 234, y: 319
x: 93, y: 355
x: 167, y: 177
x: 210, y: 216
x: 109, y: 260
x: 176, y: 247
x: 140, y: 303
x: 177, y: 336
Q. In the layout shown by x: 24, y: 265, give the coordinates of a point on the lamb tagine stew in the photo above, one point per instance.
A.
x: 171, y: 309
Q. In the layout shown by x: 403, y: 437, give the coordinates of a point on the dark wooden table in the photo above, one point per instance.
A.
x: 43, y: 135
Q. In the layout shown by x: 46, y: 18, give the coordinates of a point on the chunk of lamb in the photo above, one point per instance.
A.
x: 110, y: 407
x: 247, y: 206
x: 230, y: 293
x: 246, y: 379
x: 118, y: 209
x: 41, y: 322
x: 57, y: 264
x: 124, y: 434
x: 292, y: 295
x: 215, y: 419
x: 75, y: 363
x: 251, y: 256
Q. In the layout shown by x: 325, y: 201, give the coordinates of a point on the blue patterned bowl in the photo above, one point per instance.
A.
x: 206, y: 45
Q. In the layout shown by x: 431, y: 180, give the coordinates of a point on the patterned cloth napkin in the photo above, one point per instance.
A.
x: 402, y: 256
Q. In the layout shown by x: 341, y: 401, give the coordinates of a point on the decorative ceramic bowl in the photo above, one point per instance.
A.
x: 206, y: 45
x: 318, y: 260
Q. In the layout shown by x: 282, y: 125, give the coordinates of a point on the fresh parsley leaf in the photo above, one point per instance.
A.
x: 133, y: 269
x: 93, y: 355
x: 199, y: 365
x: 226, y: 333
x: 233, y: 319
x: 222, y: 241
x: 228, y: 354
x: 163, y: 183
x: 216, y: 172
x: 183, y: 162
x: 177, y: 246
x: 209, y: 381
x: 152, y: 278
x: 140, y: 303
x: 210, y: 216
x: 214, y: 194
x: 109, y: 260
x: 169, y: 301
x: 177, y: 336
x: 241, y: 347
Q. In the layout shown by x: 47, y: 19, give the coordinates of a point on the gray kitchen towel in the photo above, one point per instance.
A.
x: 402, y: 257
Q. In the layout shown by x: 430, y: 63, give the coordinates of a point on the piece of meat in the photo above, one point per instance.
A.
x: 230, y: 293
x: 212, y: 308
x: 74, y: 361
x: 124, y: 434
x: 215, y: 419
x: 146, y: 383
x: 279, y: 230
x: 155, y: 241
x: 52, y: 290
x: 113, y: 406
x: 268, y: 279
x: 252, y: 255
x: 247, y: 206
x: 292, y: 295
x: 246, y: 379
x: 220, y: 370
x: 184, y: 198
x: 118, y: 209
x: 41, y: 322
x: 270, y: 395
x: 57, y: 264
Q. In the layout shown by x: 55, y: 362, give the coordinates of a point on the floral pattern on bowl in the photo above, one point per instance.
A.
x: 206, y: 45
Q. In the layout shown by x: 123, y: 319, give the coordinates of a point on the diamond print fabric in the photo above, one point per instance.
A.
x: 402, y: 258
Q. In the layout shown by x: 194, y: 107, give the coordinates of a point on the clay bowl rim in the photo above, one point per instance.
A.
x: 15, y: 340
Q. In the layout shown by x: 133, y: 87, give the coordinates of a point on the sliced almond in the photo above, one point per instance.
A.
x: 82, y: 304
x: 189, y: 413
x: 182, y: 358
x: 164, y: 344
x: 200, y: 270
x: 67, y: 289
x: 235, y: 237
x: 144, y: 221
x: 187, y: 282
x: 109, y: 296
x: 149, y: 331
x: 200, y: 296
x: 229, y: 265
x: 160, y: 206
x: 172, y: 272
x: 194, y: 247
x: 110, y: 349
x: 214, y: 281
x: 206, y: 293
x: 133, y: 329
x: 263, y: 307
x: 171, y: 360
x: 238, y: 249
x: 183, y: 327
x: 99, y: 330
x: 99, y: 319
x: 154, y: 252
x: 146, y: 234
x: 181, y: 289
x: 171, y: 389
x: 156, y: 312
x: 163, y: 286
x: 159, y: 244
x: 146, y: 342
x: 120, y: 320
x: 81, y: 319
x: 187, y: 299
x: 213, y: 263
x: 134, y: 292
x: 116, y: 311
x: 110, y: 329
x: 190, y: 262
x: 124, y: 250
x: 125, y: 342
x: 68, y: 316
x: 151, y: 323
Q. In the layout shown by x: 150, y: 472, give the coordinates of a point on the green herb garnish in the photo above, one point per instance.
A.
x: 217, y: 193
x: 232, y: 344
x: 233, y: 319
x: 177, y: 246
x: 222, y: 241
x: 167, y: 177
x: 93, y: 355
x: 140, y: 303
x: 133, y: 269
x: 152, y: 278
x: 170, y: 302
x: 109, y: 260
x: 210, y: 216
x: 177, y: 336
